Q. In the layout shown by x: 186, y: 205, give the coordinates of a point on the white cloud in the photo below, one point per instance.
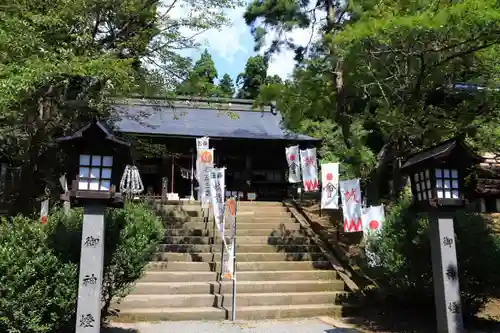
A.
x: 283, y: 63
x: 226, y: 41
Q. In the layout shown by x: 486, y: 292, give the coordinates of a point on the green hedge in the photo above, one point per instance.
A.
x: 37, y: 289
x: 404, y: 269
x: 38, y: 265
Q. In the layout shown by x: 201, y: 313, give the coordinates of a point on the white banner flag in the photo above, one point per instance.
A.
x: 292, y: 158
x: 217, y: 197
x: 373, y: 218
x: 202, y: 143
x: 309, y: 166
x: 351, y: 205
x: 206, y: 163
x: 330, y: 186
x: 44, y: 211
x: 228, y: 262
x: 231, y: 216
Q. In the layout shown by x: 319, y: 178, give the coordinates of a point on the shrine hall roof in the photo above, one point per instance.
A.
x: 189, y: 117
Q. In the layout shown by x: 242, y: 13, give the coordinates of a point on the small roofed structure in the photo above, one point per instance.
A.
x: 438, y: 173
x: 96, y: 160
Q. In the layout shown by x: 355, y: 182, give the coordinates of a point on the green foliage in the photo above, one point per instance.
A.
x: 200, y: 80
x: 131, y: 237
x: 226, y: 86
x: 62, y: 61
x: 252, y: 78
x: 38, y: 265
x: 390, y: 69
x: 403, y: 250
x: 37, y: 289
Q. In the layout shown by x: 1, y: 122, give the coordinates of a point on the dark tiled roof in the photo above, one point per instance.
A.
x: 442, y: 150
x: 235, y: 119
x: 433, y: 152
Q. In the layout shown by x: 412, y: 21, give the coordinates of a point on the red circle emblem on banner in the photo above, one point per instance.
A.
x: 292, y: 157
x: 44, y: 219
x: 206, y: 156
x: 329, y: 176
x: 231, y: 205
x: 373, y: 225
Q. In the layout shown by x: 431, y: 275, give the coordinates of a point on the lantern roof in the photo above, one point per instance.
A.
x: 441, y: 152
x: 93, y: 124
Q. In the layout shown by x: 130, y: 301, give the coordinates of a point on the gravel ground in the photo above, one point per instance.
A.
x: 274, y: 326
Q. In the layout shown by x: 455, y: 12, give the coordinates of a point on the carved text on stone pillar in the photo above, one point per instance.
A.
x: 91, y: 241
x: 87, y: 321
x: 89, y: 280
x: 447, y: 241
x: 454, y: 307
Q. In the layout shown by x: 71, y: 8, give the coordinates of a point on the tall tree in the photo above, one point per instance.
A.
x: 200, y: 79
x: 391, y: 69
x: 274, y: 79
x: 226, y: 86
x: 252, y: 78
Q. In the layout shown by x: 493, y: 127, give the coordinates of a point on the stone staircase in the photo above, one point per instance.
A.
x: 280, y: 273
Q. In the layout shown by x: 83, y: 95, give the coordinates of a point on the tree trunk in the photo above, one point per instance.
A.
x: 340, y: 114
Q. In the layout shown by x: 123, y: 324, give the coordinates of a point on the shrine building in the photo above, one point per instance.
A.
x: 249, y: 142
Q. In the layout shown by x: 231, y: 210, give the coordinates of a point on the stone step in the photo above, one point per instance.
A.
x: 186, y: 203
x: 240, y: 248
x: 260, y: 203
x: 241, y: 209
x: 275, y: 239
x: 225, y: 287
x: 266, y: 213
x: 261, y: 276
x: 242, y: 313
x: 174, y: 213
x: 178, y: 266
x: 240, y: 257
x: 241, y: 219
x: 256, y: 224
x: 239, y: 232
x: 218, y: 300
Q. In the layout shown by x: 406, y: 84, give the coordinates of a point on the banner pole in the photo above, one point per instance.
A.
x: 221, y: 273
x: 233, y: 313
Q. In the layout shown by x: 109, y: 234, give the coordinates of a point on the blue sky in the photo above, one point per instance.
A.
x: 232, y: 45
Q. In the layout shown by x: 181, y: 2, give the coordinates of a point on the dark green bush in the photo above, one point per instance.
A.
x: 37, y: 289
x: 404, y: 271
x: 132, y: 235
x: 38, y: 265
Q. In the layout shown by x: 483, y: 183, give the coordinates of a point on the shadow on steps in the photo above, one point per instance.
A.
x: 296, y: 245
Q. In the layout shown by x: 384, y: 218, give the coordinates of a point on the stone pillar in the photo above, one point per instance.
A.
x: 3, y: 178
x: 482, y: 205
x: 445, y: 275
x: 88, y: 314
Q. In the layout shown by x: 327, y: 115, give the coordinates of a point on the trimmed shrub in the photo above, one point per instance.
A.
x: 37, y: 289
x: 132, y: 235
x: 404, y: 270
x: 39, y: 265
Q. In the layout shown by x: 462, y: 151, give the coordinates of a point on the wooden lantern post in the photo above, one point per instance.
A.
x: 96, y: 162
x: 437, y: 186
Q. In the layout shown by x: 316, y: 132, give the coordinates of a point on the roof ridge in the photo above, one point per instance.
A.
x: 197, y: 105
